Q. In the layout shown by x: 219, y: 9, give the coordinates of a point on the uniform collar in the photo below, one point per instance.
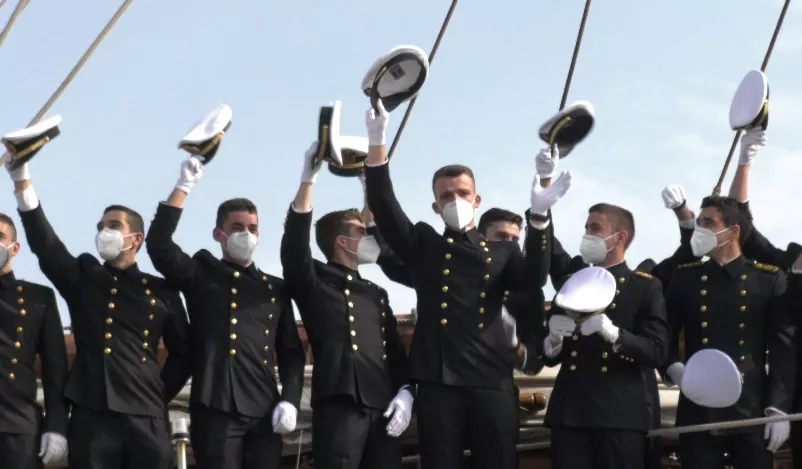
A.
x: 250, y: 270
x: 473, y: 236
x: 132, y: 271
x: 619, y: 269
x: 7, y: 280
x: 732, y: 268
x: 344, y: 269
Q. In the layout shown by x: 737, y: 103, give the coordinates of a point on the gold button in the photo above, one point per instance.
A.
x: 448, y: 255
x: 487, y: 250
x: 444, y: 321
x: 575, y: 337
x: 743, y: 277
x: 482, y: 243
x: 481, y: 311
x: 273, y: 300
x: 232, y: 352
x: 19, y: 329
x: 347, y: 292
x: 506, y: 293
x: 17, y: 345
x: 152, y: 302
x: 621, y: 280
x: 604, y: 355
x: 20, y: 300
x: 704, y: 341
x: 107, y: 335
x: 144, y: 345
x: 11, y: 375
x: 743, y: 292
x: 107, y: 351
x: 604, y: 369
x: 382, y: 330
x: 703, y: 308
x: 446, y: 271
x: 143, y: 359
x: 573, y: 367
x: 487, y: 276
x: 384, y: 314
x: 741, y: 342
x: 233, y: 305
x: 351, y: 318
x: 482, y: 295
x: 355, y: 347
x: 445, y: 289
x: 704, y: 324
x: 264, y: 277
x: 113, y: 291
x: 349, y: 278
x: 443, y: 305
x: 384, y: 343
x: 115, y: 278
x: 267, y: 331
x: 266, y: 348
x: 111, y: 305
x: 109, y: 320
x: 233, y: 291
x: 741, y: 326
x: 742, y: 358
x: 703, y: 292
x: 353, y: 333
x: 233, y: 320
x: 481, y: 325
x: 233, y: 336
x: 147, y: 292
x: 618, y: 292
x: 489, y: 260
x: 19, y: 288
x: 22, y: 312
x: 384, y: 356
x: 150, y: 316
x: 236, y: 275
x: 742, y: 308
x: 573, y: 353
x: 350, y: 304
x: 449, y: 240
x: 13, y: 361
x: 612, y: 305
x: 270, y: 316
x: 704, y: 278
x: 144, y: 281
x: 264, y: 362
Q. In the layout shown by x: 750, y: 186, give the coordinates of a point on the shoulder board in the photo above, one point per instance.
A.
x: 690, y: 265
x: 643, y: 274
x: 766, y: 267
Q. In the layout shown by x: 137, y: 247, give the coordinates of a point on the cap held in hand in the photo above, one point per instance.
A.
x: 24, y: 144
x: 569, y: 127
x: 396, y: 77
x: 711, y: 379
x: 587, y: 292
x: 344, y: 154
x: 750, y: 106
x: 204, y: 138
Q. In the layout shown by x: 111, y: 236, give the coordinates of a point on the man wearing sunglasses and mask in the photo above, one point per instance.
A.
x: 460, y: 355
x: 119, y: 314
x: 598, y: 411
x: 30, y: 321
x: 360, y: 394
x: 242, y: 323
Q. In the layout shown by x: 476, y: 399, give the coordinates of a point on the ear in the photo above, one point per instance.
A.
x: 624, y: 237
x: 436, y: 209
x: 736, y: 233
x: 14, y: 249
x: 138, y: 240
x: 477, y: 201
x: 218, y: 235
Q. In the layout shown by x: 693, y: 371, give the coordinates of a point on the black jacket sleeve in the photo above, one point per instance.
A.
x: 647, y: 344
x: 396, y: 353
x: 401, y: 234
x: 290, y: 355
x: 296, y: 256
x: 178, y: 367
x: 780, y: 339
x: 57, y: 263
x: 167, y: 257
x: 390, y: 264
x: 53, y: 355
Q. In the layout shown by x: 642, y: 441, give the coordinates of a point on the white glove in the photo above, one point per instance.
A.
x: 311, y: 167
x: 674, y: 196
x: 399, y: 413
x: 284, y: 418
x: 750, y: 142
x: 543, y: 199
x: 776, y: 432
x: 546, y: 163
x: 54, y: 448
x: 510, y: 327
x: 561, y: 326
x: 377, y: 125
x: 602, y: 324
x: 674, y: 374
x: 191, y: 172
x: 20, y: 174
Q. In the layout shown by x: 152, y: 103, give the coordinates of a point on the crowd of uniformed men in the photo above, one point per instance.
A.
x: 110, y: 409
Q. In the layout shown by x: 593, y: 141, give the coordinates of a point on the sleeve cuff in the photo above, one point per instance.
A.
x: 292, y: 207
x: 687, y: 224
x: 27, y: 200
x: 377, y: 165
x: 770, y: 411
x: 539, y: 225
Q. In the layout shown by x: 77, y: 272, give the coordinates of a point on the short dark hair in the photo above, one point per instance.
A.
x: 622, y: 219
x: 10, y: 222
x: 732, y: 213
x: 452, y: 171
x: 135, y: 221
x: 496, y: 214
x: 239, y: 204
x: 332, y: 225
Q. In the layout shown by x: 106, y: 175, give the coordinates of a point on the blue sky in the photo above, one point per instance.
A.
x: 660, y: 75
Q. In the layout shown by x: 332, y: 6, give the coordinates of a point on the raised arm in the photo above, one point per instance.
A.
x: 290, y: 355
x: 178, y: 368
x: 167, y: 257
x: 780, y: 339
x: 53, y: 355
x: 400, y: 233
x: 647, y: 343
x: 57, y: 263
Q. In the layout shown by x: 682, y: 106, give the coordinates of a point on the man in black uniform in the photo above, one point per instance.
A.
x: 460, y: 355
x: 361, y: 366
x: 737, y: 306
x: 598, y: 412
x: 119, y: 314
x: 30, y: 326
x: 242, y: 323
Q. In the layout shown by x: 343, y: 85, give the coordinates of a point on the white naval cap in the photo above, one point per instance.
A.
x: 569, y: 127
x: 204, y: 138
x: 396, y: 76
x: 588, y: 291
x: 22, y: 145
x: 750, y: 104
x: 711, y: 379
x: 345, y: 154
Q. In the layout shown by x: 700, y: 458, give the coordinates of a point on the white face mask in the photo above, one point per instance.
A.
x: 367, y: 249
x: 594, y: 248
x: 704, y: 240
x: 458, y: 214
x: 240, y: 245
x: 110, y: 244
x: 4, y: 255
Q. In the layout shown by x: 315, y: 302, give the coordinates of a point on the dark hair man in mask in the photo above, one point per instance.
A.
x: 460, y: 354
x: 119, y: 314
x: 29, y: 317
x: 242, y: 320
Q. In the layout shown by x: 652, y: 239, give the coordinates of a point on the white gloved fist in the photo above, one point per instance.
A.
x: 750, y: 143
x: 20, y: 174
x: 674, y: 374
x: 601, y: 324
x: 399, y: 413
x: 776, y: 432
x: 543, y: 199
x: 311, y: 165
x: 561, y: 326
x: 191, y: 172
x: 510, y: 327
x: 674, y: 196
x: 285, y: 416
x: 377, y: 125
x: 546, y: 163
x: 53, y: 448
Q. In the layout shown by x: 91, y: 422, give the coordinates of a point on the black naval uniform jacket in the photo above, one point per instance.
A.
x: 118, y: 318
x: 460, y: 280
x: 599, y: 385
x: 30, y: 325
x: 242, y: 322
x: 740, y: 309
x: 349, y: 322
